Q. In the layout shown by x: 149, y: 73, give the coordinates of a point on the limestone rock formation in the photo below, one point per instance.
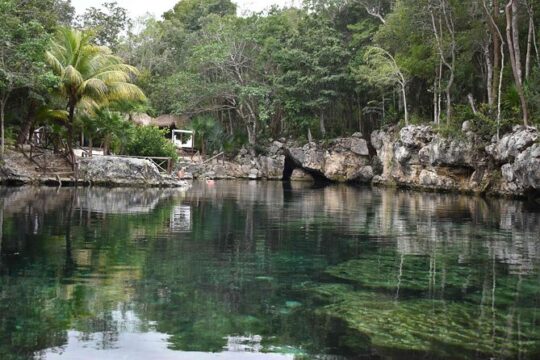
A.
x: 519, y: 154
x: 120, y: 171
x: 512, y: 144
x: 416, y: 156
x: 342, y: 160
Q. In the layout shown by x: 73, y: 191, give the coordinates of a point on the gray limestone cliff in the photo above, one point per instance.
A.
x: 416, y: 156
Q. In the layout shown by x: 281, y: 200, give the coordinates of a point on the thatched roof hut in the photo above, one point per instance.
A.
x: 162, y: 121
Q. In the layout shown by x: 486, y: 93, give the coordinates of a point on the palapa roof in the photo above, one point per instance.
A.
x: 161, y: 121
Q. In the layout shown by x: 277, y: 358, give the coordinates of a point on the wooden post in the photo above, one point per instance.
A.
x: 76, y: 173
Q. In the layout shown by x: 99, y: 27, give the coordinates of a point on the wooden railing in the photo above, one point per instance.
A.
x: 164, y: 164
x: 215, y: 157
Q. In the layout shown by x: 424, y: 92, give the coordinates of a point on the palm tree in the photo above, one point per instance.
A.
x: 90, y: 75
x: 202, y: 127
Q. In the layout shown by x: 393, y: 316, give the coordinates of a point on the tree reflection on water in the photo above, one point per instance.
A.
x: 267, y: 268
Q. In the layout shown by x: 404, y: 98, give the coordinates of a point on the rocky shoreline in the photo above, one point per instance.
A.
x: 111, y: 171
x: 418, y: 157
x: 415, y: 156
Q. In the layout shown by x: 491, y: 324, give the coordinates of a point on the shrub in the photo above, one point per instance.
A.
x: 150, y: 141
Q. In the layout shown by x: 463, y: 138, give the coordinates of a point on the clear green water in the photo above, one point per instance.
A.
x: 240, y: 270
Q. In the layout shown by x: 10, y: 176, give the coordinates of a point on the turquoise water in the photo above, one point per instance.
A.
x: 246, y: 270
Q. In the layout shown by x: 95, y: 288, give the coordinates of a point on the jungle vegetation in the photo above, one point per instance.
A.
x: 327, y: 68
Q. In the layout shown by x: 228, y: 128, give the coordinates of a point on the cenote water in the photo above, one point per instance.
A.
x: 245, y: 270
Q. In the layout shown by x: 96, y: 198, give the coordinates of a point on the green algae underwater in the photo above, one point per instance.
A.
x: 246, y: 270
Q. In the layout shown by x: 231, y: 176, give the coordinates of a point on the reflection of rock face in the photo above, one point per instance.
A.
x: 32, y: 207
x: 415, y: 223
x: 122, y: 200
x: 97, y: 200
x: 418, y: 157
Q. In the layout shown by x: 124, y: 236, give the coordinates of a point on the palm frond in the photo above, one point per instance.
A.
x: 46, y: 114
x: 113, y: 76
x: 125, y: 91
x: 94, y: 88
x: 72, y: 77
x: 89, y: 105
x: 128, y: 69
x: 54, y: 63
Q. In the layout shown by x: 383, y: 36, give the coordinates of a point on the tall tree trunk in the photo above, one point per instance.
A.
x: 24, y: 134
x: 70, y: 152
x: 492, y: 17
x: 515, y: 39
x: 251, y: 135
x: 472, y: 104
x: 406, y: 110
x: 497, y: 43
x: 2, y: 130
x: 321, y: 124
x: 448, y: 91
x: 435, y: 113
x: 499, y: 92
x: 252, y: 125
x: 530, y: 40
x: 439, y: 95
x: 438, y: 33
x: 512, y: 37
x: 449, y: 22
x: 489, y: 76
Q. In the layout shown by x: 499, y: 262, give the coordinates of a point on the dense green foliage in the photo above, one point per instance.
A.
x: 25, y: 29
x: 327, y: 68
x: 335, y: 67
x: 150, y: 141
x: 113, y: 133
x: 106, y: 24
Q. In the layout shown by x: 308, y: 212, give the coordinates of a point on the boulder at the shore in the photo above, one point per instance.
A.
x: 342, y: 160
x: 519, y: 154
x: 122, y: 171
x: 17, y: 168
